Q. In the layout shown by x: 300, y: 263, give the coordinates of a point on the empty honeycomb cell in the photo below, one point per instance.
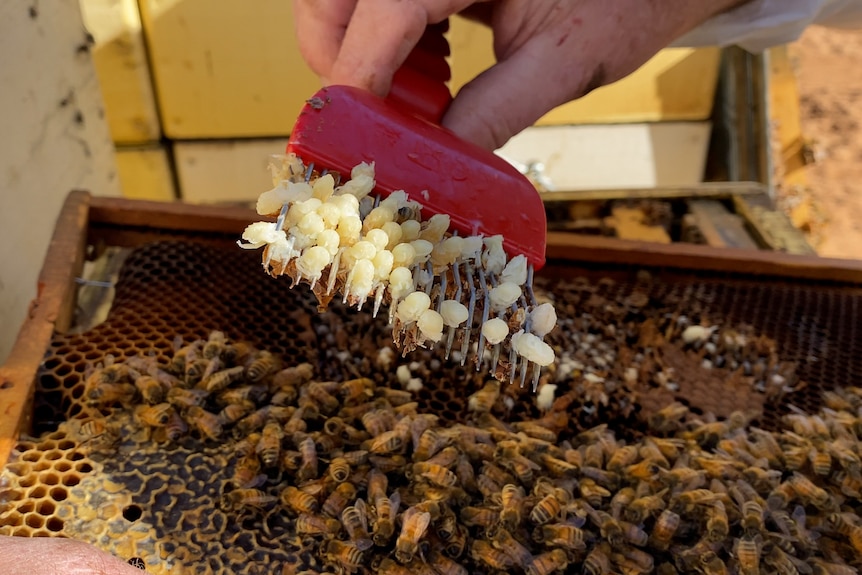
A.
x: 49, y: 381
x: 19, y: 468
x: 73, y: 357
x: 83, y: 467
x: 54, y: 524
x: 11, y: 519
x: 37, y: 492
x: 63, y: 370
x: 45, y: 507
x: 71, y: 479
x: 49, y: 478
x: 58, y: 494
x: 51, y: 454
x: 22, y: 532
x: 27, y: 506
x: 31, y: 455
x: 66, y: 444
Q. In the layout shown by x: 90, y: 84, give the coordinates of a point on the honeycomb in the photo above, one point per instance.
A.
x: 624, y: 357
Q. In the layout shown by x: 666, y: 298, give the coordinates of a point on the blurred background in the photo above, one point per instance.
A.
x: 185, y: 100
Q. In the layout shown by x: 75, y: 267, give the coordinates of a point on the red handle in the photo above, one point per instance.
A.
x: 419, y: 85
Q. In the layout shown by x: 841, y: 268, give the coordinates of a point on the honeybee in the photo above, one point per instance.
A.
x: 592, y: 492
x: 633, y: 533
x: 690, y: 500
x: 536, y: 431
x: 479, y: 516
x: 413, y: 527
x: 645, y: 470
x: 645, y: 506
x: 548, y: 508
x: 151, y: 389
x: 810, y: 493
x: 779, y: 560
x: 246, y: 472
x: 239, y: 499
x: 762, y: 479
x: 548, y: 562
x: 339, y: 469
x: 821, y: 461
x: 355, y: 521
x: 207, y: 424
x: 711, y: 564
x: 668, y: 419
x: 389, y: 567
x: 344, y: 554
x: 269, y: 445
x: 504, y: 541
x: 386, y: 508
x: 105, y: 393
x: 341, y: 496
x: 221, y: 379
x: 483, y: 400
x: 215, y: 345
x: 184, y: 398
x: 511, y: 502
x: 386, y: 443
x: 174, y: 429
x: 781, y: 496
x: 233, y: 412
x: 298, y: 500
x: 195, y: 370
x: 378, y: 421
x: 444, y: 565
x: 184, y: 355
x: 747, y: 551
x: 434, y: 473
x: 717, y: 526
x: 639, y: 560
x: 457, y: 543
x: 154, y: 415
x: 357, y: 391
x: 264, y: 364
x: 321, y: 393
x: 598, y: 560
x: 308, y: 524
x: 752, y: 516
x: 567, y: 535
x: 308, y: 467
x: 485, y: 553
x: 821, y: 567
x: 428, y: 444
x: 388, y: 463
x: 665, y: 528
x: 622, y: 457
x: 558, y: 467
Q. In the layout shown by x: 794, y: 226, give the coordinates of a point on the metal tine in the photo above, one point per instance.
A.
x: 524, y: 365
x: 537, y: 371
x: 279, y: 223
x: 486, y: 308
x: 495, y: 356
x: 471, y: 308
x: 456, y: 274
x: 333, y: 271
x: 429, y: 285
x: 513, y: 364
x: 529, y: 284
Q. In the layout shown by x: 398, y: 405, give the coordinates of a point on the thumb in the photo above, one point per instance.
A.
x: 517, y: 91
x: 50, y: 555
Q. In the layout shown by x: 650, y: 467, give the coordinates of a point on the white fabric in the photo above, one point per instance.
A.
x: 760, y: 24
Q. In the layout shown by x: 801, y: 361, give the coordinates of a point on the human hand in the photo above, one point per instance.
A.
x: 53, y: 555
x: 548, y: 51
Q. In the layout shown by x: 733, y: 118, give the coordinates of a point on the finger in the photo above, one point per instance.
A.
x: 320, y: 27
x: 48, y: 556
x: 514, y: 93
x: 381, y: 35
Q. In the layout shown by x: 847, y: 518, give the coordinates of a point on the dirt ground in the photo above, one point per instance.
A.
x: 828, y: 64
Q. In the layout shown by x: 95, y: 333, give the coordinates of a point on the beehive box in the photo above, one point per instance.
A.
x: 627, y: 352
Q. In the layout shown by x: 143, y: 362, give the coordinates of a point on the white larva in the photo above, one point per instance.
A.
x: 543, y: 319
x: 515, y: 271
x: 347, y: 204
x: 377, y: 217
x: 454, y: 312
x: 259, y: 234
x: 299, y: 210
x: 410, y: 230
x: 383, y: 262
x: 400, y: 283
x: 494, y: 258
x: 403, y: 374
x: 348, y: 230
x: 435, y: 228
x: 423, y: 251
x: 545, y: 397
x: 472, y: 247
x: 495, y: 330
x: 430, y: 325
x: 361, y: 250
x: 285, y: 192
x: 403, y: 255
x: 697, y: 334
x: 377, y: 237
x: 413, y: 306
x: 323, y: 187
x: 504, y: 295
x: 329, y: 240
x: 532, y: 348
x: 312, y: 263
x: 330, y: 214
x: 393, y: 232
x: 446, y: 252
x: 360, y: 280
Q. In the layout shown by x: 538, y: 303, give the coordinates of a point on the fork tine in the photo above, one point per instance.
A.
x: 486, y: 308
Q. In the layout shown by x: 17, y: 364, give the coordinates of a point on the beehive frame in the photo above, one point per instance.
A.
x: 88, y: 223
